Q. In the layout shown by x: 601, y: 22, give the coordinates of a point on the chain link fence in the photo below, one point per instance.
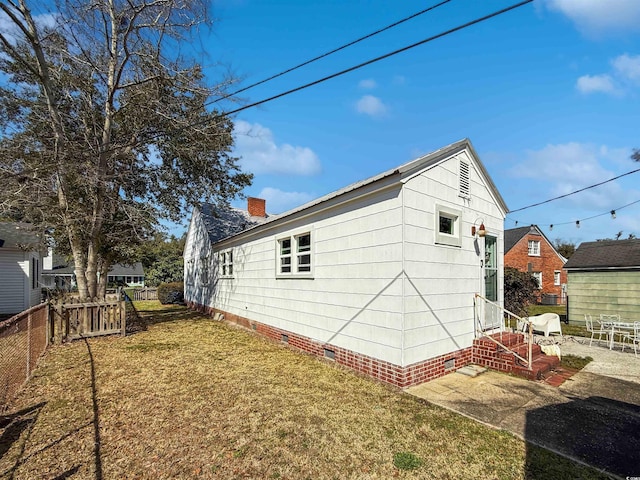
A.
x: 23, y: 339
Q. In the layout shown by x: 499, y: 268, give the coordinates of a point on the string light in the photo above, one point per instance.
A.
x: 613, y: 214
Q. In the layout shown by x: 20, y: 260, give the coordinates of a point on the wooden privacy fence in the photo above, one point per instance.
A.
x: 145, y: 293
x: 79, y: 320
x: 23, y: 339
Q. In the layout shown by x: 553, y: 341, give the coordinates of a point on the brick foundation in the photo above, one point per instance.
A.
x: 386, y: 372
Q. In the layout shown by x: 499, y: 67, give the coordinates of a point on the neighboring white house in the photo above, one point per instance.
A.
x: 20, y: 268
x: 58, y: 273
x: 379, y: 276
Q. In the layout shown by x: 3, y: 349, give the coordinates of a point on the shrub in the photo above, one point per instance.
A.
x: 171, y: 293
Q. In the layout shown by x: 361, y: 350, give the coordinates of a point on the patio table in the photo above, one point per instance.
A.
x: 617, y: 328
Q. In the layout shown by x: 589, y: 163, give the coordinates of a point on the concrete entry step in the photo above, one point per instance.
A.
x: 471, y: 370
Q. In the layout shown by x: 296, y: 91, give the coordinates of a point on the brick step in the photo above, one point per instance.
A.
x: 506, y: 339
x: 522, y: 350
x: 540, y: 365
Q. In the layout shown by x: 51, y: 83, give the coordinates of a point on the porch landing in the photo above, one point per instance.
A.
x: 489, y: 354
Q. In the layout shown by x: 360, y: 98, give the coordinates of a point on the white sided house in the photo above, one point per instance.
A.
x: 379, y: 276
x: 20, y: 268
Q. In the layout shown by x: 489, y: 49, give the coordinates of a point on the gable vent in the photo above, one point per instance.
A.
x: 464, y: 180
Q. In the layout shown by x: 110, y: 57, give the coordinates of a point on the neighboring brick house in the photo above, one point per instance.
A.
x: 528, y: 250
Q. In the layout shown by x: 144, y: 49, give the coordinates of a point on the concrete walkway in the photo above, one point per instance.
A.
x: 593, y: 417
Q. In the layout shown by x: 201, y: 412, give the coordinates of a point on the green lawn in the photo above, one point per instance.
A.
x: 193, y: 398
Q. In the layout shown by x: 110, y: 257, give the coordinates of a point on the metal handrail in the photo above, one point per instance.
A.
x: 518, y: 318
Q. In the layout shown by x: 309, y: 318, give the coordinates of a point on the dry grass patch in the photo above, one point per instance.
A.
x: 194, y: 398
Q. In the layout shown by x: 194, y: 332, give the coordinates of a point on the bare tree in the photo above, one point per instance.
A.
x: 105, y: 126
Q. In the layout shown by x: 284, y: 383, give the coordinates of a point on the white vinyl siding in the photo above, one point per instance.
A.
x: 19, y: 280
x: 441, y: 281
x: 381, y: 286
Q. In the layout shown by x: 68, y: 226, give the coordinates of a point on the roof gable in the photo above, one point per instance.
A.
x: 222, y: 224
x: 606, y: 254
x: 513, y: 236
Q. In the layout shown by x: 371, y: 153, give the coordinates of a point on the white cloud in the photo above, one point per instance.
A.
x: 565, y: 168
x: 260, y: 153
x: 596, y: 83
x: 12, y: 32
x: 279, y: 201
x: 367, y: 83
x: 599, y: 16
x: 370, y: 105
x: 627, y: 67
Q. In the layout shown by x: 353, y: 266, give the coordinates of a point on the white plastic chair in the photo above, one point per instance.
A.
x: 633, y: 337
x: 599, y: 329
x: 606, y: 321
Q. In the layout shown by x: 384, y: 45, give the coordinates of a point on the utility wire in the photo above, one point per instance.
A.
x: 381, y: 57
x: 331, y: 52
x: 573, y: 193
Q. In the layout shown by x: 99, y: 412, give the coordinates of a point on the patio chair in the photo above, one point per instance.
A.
x: 593, y: 328
x: 607, y: 319
x: 633, y: 337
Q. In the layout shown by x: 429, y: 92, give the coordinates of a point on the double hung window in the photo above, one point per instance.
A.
x: 534, y: 248
x: 225, y: 260
x: 294, y: 255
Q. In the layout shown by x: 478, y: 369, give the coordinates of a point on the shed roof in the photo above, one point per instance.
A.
x: 606, y: 254
x: 18, y: 235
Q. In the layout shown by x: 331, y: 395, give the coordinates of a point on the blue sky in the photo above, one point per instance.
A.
x: 547, y: 93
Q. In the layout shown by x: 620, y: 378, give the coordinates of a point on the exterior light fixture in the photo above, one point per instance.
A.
x: 479, y: 231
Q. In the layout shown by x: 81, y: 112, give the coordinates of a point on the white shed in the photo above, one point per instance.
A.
x: 20, y: 268
x: 379, y: 276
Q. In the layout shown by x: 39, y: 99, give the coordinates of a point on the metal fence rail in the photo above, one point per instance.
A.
x: 23, y: 339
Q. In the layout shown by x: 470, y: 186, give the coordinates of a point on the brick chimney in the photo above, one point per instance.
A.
x: 257, y: 207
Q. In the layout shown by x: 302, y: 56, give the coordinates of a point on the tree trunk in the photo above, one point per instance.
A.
x: 103, y: 279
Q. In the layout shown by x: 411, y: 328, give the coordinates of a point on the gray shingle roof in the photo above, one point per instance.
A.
x: 513, y: 236
x: 606, y: 254
x: 222, y: 223
x: 18, y: 235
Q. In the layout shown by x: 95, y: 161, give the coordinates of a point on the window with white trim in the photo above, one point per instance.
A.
x: 556, y: 277
x: 225, y: 263
x: 447, y: 227
x: 294, y: 255
x: 534, y: 248
x: 538, y: 277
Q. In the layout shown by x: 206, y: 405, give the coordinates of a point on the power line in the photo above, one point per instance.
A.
x: 334, y: 75
x: 331, y: 52
x: 572, y: 193
x: 381, y: 57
